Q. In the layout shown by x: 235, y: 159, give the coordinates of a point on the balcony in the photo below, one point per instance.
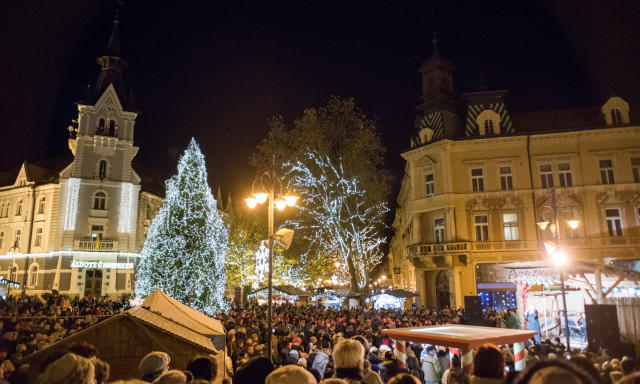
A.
x: 87, y: 244
x: 440, y: 249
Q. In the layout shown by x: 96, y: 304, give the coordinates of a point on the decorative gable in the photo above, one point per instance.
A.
x: 616, y: 111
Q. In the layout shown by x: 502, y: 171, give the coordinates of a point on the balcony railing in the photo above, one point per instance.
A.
x: 439, y: 249
x: 87, y: 244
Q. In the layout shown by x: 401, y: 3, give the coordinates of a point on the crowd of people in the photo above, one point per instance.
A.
x: 310, y: 345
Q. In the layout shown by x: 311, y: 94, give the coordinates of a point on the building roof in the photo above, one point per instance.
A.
x: 400, y: 293
x: 558, y: 120
x: 172, y: 309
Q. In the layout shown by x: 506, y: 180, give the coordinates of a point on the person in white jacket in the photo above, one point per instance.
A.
x: 431, y: 367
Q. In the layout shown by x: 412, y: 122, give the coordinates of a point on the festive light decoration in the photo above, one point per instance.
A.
x: 136, y: 301
x: 71, y: 211
x: 262, y: 262
x: 184, y: 254
x: 126, y: 205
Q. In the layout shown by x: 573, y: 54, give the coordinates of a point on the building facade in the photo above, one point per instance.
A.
x: 76, y: 224
x: 476, y: 183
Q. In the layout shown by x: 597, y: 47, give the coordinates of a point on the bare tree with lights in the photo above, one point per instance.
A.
x: 184, y: 253
x: 333, y: 159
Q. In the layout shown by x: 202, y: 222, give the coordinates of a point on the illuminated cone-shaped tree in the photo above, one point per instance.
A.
x: 184, y: 253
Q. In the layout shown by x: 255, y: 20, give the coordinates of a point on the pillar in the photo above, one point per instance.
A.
x: 467, y: 361
x: 401, y: 354
x: 518, y: 354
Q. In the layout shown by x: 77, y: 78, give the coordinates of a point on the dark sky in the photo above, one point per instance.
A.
x: 218, y: 70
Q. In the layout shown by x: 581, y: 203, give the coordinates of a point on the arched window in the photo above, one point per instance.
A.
x: 100, y: 201
x: 101, y: 126
x: 616, y: 116
x: 112, y: 128
x: 41, y: 204
x: 6, y: 209
x: 19, y: 208
x: 33, y: 274
x: 488, y: 127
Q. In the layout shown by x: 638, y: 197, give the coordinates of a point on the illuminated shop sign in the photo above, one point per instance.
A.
x: 100, y: 265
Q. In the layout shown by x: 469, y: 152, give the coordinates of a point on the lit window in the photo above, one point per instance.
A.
x: 506, y: 179
x: 482, y: 227
x: 99, y: 201
x: 477, y: 180
x: 614, y: 222
x: 19, y: 208
x: 38, y: 238
x: 429, y: 186
x: 635, y: 167
x: 438, y: 227
x: 488, y: 127
x: 616, y: 117
x: 41, y: 204
x: 546, y: 176
x: 97, y: 232
x: 510, y: 226
x: 33, y: 275
x: 606, y: 171
x: 564, y: 174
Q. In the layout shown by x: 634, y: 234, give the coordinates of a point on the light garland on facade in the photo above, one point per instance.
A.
x: 126, y: 201
x: 71, y: 212
x: 71, y: 253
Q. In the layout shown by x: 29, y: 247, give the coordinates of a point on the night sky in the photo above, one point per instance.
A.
x: 218, y: 70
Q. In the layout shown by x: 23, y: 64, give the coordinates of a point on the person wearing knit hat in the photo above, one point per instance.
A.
x: 290, y: 374
x: 154, y: 365
x: 254, y: 371
x: 70, y: 369
x: 172, y: 377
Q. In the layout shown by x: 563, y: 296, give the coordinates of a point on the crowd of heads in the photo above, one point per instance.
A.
x: 310, y: 345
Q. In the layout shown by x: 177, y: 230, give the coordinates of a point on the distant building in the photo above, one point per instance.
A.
x: 478, y: 179
x: 76, y: 224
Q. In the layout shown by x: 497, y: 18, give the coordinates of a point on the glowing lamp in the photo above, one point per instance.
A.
x: 559, y: 258
x: 550, y: 247
x: 543, y: 224
x: 251, y: 202
x: 337, y: 264
x: 281, y: 203
x: 261, y: 197
x: 291, y: 199
x: 573, y: 223
x: 384, y: 278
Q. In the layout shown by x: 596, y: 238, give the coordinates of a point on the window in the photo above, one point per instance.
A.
x: 33, y: 275
x: 477, y: 180
x: 97, y: 232
x: 19, y: 208
x: 546, y: 176
x: 635, y: 167
x: 606, y: 171
x: 428, y: 182
x: 7, y: 205
x: 564, y: 173
x: 488, y: 127
x: 16, y: 240
x: 614, y: 222
x: 41, y: 204
x: 1, y: 240
x: 616, y: 117
x: 13, y: 272
x: 38, y: 239
x: 102, y: 170
x: 101, y: 126
x: 506, y: 179
x: 99, y: 201
x: 438, y: 228
x: 482, y: 227
x: 510, y: 221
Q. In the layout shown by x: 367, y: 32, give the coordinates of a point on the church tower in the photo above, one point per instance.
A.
x: 100, y: 189
x: 437, y: 115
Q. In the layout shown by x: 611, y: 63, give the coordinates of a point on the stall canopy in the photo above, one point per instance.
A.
x: 170, y: 308
x: 595, y: 279
x: 288, y: 291
x: 393, y: 297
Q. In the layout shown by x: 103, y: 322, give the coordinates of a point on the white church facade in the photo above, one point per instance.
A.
x: 77, y: 224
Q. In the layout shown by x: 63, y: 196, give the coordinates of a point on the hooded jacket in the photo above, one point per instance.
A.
x: 320, y: 363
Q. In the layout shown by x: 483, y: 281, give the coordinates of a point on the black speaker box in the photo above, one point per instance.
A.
x: 602, y: 326
x: 473, y: 308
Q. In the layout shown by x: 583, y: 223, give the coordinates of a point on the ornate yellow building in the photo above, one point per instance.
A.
x: 473, y: 191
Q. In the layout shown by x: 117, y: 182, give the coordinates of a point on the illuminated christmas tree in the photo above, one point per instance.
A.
x: 184, y: 253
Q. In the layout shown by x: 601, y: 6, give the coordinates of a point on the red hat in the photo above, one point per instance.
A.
x: 296, y: 340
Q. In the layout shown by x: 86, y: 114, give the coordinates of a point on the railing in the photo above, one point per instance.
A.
x: 438, y: 249
x: 88, y: 244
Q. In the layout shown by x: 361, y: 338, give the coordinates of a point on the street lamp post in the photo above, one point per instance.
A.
x: 267, y: 194
x: 558, y: 257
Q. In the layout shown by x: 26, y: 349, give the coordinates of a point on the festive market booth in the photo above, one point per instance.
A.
x: 336, y: 297
x: 124, y: 339
x: 394, y: 298
x: 280, y: 294
x: 461, y: 339
x: 6, y: 286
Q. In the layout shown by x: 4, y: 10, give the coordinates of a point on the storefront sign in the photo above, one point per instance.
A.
x: 100, y: 265
x: 526, y: 275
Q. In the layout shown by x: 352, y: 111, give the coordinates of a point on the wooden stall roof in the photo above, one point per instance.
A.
x: 170, y: 308
x: 465, y: 337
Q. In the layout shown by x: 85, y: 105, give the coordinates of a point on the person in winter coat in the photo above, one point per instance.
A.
x: 488, y: 365
x: 374, y: 360
x: 368, y: 375
x: 348, y: 356
x: 320, y: 361
x: 431, y: 367
x: 455, y: 374
x: 414, y: 365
